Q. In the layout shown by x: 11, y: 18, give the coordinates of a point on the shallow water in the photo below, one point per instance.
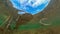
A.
x: 52, y: 13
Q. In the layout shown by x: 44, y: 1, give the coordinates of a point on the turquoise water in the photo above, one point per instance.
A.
x: 30, y: 6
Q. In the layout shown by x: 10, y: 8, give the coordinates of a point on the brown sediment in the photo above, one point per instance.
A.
x: 50, y: 30
x: 23, y: 19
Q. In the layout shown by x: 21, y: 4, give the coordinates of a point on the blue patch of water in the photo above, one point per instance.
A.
x: 30, y: 6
